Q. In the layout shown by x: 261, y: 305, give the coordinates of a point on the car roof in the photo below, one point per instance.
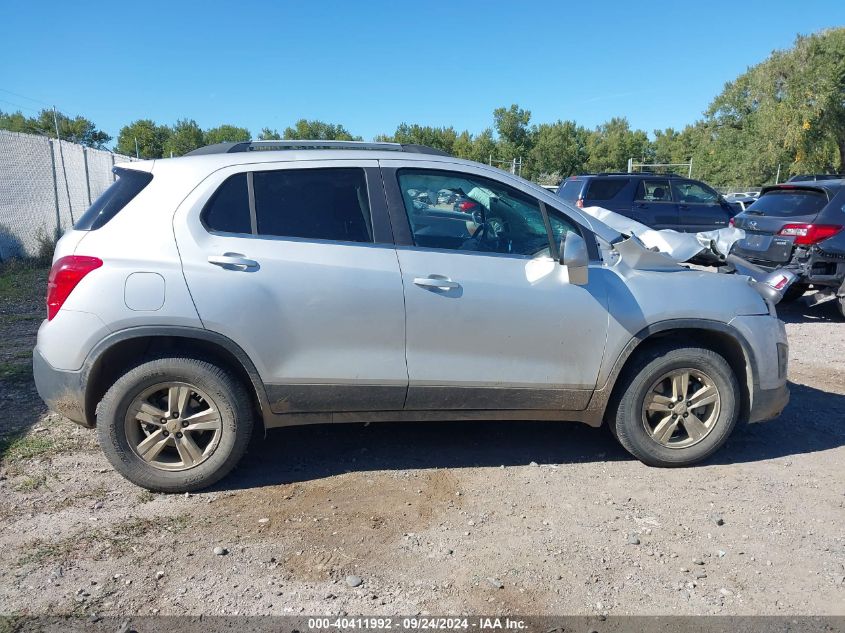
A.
x: 203, y: 164
x: 807, y: 184
x: 621, y: 174
x: 213, y: 161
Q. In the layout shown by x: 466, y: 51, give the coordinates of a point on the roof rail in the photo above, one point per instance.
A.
x: 667, y: 174
x: 252, y: 146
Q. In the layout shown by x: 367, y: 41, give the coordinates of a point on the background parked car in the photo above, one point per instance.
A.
x: 813, y: 177
x: 657, y: 200
x: 799, y: 227
x: 742, y: 199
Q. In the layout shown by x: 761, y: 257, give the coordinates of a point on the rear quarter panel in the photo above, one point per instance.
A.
x: 139, y: 239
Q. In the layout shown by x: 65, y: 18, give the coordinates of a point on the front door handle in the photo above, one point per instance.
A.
x: 234, y: 261
x: 436, y: 282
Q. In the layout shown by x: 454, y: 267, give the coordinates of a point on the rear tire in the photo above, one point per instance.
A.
x: 175, y: 424
x: 657, y: 438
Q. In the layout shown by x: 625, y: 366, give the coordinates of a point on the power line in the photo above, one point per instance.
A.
x: 16, y: 94
x: 19, y: 106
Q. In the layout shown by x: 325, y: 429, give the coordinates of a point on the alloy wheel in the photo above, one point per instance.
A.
x: 681, y: 408
x: 173, y: 426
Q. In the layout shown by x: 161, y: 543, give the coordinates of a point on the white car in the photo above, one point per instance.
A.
x: 200, y: 296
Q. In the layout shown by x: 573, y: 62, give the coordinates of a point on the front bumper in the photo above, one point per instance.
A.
x: 62, y: 391
x: 768, y: 403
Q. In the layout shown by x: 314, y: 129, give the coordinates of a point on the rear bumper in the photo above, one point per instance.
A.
x: 768, y: 403
x: 62, y: 391
x: 812, y: 266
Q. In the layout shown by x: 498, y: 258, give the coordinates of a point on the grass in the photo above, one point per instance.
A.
x: 20, y: 277
x: 16, y: 372
x: 31, y: 483
x: 19, y: 447
x: 19, y: 318
x: 145, y: 496
x: 117, y: 540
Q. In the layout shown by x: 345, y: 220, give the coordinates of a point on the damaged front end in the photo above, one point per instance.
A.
x: 821, y: 266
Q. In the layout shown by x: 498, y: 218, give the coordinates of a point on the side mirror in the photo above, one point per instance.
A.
x: 576, y: 258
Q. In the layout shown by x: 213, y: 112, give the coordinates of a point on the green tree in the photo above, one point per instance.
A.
x: 14, y: 122
x: 304, y: 130
x: 788, y: 110
x: 186, y: 136
x: 515, y: 138
x: 269, y: 135
x: 559, y: 150
x: 150, y: 137
x: 227, y: 134
x: 611, y: 144
x: 76, y: 130
x: 442, y: 138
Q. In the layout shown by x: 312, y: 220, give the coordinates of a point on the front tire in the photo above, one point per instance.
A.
x: 175, y: 424
x: 678, y: 407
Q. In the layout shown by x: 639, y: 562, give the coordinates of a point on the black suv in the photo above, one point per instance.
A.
x: 657, y: 200
x: 798, y: 226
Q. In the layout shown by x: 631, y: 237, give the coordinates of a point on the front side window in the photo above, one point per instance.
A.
x: 654, y: 190
x: 456, y: 211
x: 325, y: 204
x: 689, y: 192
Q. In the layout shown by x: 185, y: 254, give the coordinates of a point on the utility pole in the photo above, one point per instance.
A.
x: 137, y: 155
x: 64, y: 167
x: 56, y: 122
x: 777, y: 177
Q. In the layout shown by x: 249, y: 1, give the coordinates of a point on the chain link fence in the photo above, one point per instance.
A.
x: 45, y: 185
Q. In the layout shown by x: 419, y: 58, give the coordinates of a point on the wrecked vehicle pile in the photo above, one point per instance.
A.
x: 789, y: 241
x: 796, y: 229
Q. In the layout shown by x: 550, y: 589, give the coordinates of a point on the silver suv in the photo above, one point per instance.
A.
x: 310, y: 282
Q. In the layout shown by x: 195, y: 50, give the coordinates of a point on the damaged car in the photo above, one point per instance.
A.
x: 796, y: 229
x: 255, y: 285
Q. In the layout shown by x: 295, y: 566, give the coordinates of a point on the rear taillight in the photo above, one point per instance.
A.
x: 466, y: 206
x: 579, y: 203
x: 807, y: 234
x: 64, y: 275
x: 732, y: 222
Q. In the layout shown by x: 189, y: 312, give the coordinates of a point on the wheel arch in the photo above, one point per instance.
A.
x: 715, y: 335
x: 120, y: 350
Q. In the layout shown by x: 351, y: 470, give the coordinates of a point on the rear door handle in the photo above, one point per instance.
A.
x: 436, y: 282
x: 232, y: 261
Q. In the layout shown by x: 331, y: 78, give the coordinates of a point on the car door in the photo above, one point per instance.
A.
x: 492, y: 321
x: 700, y: 208
x: 653, y: 204
x: 295, y: 263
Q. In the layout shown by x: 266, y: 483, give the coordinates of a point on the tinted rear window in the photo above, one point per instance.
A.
x: 605, y: 188
x: 129, y: 184
x: 788, y: 202
x: 570, y: 190
x: 228, y: 209
x: 326, y: 204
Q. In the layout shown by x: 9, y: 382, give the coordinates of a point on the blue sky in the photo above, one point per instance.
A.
x: 371, y: 65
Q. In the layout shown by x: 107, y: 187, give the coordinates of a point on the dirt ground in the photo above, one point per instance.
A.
x: 516, y: 518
